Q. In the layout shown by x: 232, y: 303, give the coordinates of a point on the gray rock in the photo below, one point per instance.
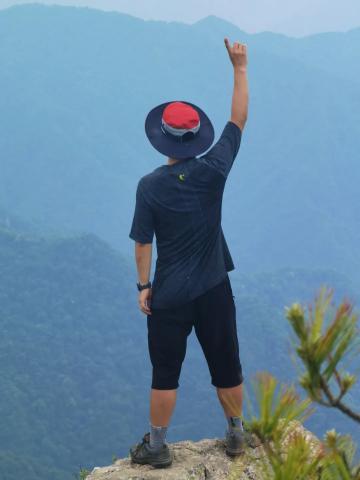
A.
x: 202, y: 460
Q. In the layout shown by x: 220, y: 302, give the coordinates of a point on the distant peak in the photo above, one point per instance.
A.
x: 213, y: 19
x: 210, y: 18
x: 214, y: 22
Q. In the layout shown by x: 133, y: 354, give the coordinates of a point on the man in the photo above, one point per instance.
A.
x: 181, y: 203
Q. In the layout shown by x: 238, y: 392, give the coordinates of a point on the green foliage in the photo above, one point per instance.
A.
x: 322, y: 347
x: 338, y: 459
x: 288, y: 455
x: 288, y: 451
x: 277, y: 410
x: 83, y: 473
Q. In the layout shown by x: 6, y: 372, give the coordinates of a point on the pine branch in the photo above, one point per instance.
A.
x: 335, y: 402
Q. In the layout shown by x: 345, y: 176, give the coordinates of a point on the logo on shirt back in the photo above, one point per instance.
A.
x: 182, y: 177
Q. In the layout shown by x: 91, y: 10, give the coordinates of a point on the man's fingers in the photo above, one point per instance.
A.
x: 227, y: 44
x: 144, y: 302
x: 238, y: 46
x: 144, y: 308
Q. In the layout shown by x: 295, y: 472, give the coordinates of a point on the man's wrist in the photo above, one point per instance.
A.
x: 240, y: 68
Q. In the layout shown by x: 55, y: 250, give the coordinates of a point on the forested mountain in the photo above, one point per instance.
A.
x: 77, y: 83
x: 75, y: 372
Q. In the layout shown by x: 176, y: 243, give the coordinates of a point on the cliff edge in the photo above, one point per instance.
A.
x: 202, y: 460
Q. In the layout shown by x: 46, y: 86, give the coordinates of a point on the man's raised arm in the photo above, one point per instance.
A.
x: 222, y: 154
x: 240, y: 97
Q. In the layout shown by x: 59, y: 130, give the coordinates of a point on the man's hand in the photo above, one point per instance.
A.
x: 145, y: 300
x: 237, y: 54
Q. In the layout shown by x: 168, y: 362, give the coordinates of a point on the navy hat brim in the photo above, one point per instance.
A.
x: 166, y: 145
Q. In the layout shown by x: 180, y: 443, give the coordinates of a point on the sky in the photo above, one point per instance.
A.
x: 295, y: 18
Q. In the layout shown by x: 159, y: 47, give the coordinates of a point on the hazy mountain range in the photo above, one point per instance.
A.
x: 303, y: 17
x: 76, y: 85
x: 75, y: 372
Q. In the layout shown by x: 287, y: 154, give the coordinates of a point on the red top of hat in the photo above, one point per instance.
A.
x: 180, y: 115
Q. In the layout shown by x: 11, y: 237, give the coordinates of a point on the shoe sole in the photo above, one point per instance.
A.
x: 234, y: 453
x: 163, y: 465
x: 155, y: 464
x: 252, y: 444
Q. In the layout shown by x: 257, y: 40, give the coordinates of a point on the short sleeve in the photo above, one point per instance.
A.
x: 222, y: 155
x: 142, y: 228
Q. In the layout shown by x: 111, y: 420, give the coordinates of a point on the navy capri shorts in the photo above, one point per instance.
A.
x: 213, y: 316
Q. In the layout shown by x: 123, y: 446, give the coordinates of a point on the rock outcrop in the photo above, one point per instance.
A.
x: 202, y: 460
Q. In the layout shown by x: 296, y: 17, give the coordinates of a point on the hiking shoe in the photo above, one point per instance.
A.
x: 236, y: 443
x: 143, y: 454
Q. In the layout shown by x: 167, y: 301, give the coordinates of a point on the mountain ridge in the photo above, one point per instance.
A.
x: 207, y: 19
x: 75, y: 112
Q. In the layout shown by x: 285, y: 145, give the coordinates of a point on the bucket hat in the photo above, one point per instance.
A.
x: 179, y: 129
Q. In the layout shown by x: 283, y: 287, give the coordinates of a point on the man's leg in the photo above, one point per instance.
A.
x: 231, y: 400
x: 216, y: 330
x: 162, y: 404
x: 168, y: 330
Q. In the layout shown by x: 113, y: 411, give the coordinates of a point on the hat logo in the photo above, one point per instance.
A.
x: 182, y: 176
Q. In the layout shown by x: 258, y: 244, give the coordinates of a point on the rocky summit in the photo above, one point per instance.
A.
x: 202, y: 460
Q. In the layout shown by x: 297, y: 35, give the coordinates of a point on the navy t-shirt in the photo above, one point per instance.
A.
x: 181, y: 204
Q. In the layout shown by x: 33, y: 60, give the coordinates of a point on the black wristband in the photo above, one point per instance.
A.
x: 142, y: 287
